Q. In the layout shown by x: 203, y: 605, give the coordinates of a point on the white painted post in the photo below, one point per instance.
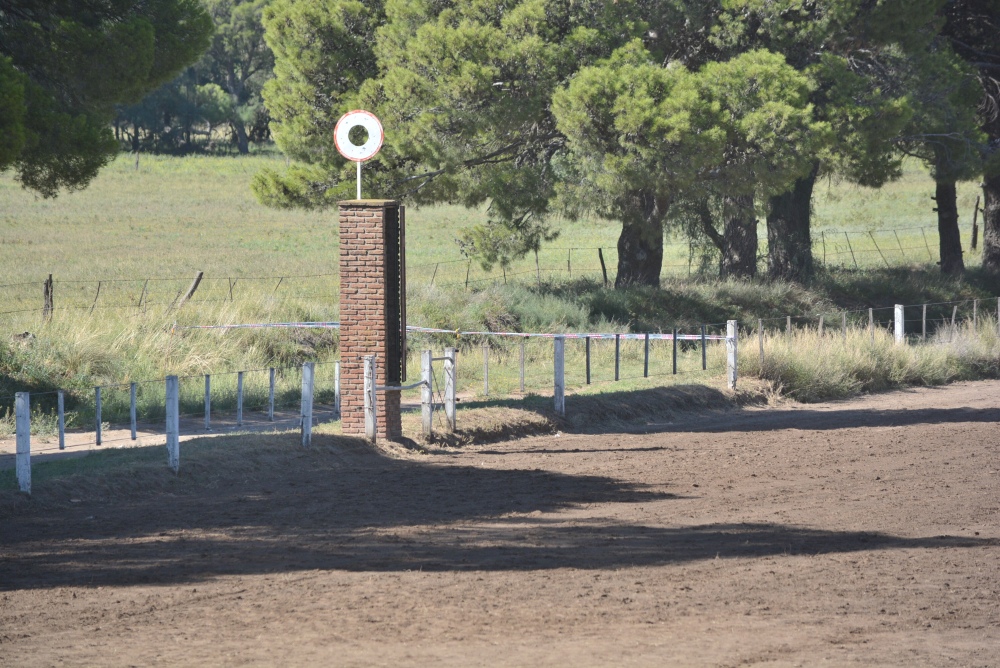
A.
x: 97, y: 414
x: 131, y: 409
x: 308, y: 375
x: 426, y: 395
x: 899, y: 325
x: 270, y: 395
x: 371, y: 407
x: 208, y: 402
x: 559, y: 366
x: 450, y: 383
x: 336, y: 387
x: 731, y: 343
x: 22, y: 427
x: 173, y: 424
x: 61, y: 408
x: 239, y: 398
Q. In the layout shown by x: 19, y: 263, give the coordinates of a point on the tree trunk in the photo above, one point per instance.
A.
x: 789, y: 243
x: 991, y: 224
x: 640, y: 245
x: 241, y: 137
x: 739, y: 254
x: 951, y: 240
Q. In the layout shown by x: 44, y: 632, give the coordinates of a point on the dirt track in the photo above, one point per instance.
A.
x: 864, y: 532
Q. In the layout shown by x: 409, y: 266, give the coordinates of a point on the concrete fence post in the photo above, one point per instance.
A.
x: 371, y: 407
x: 899, y: 324
x: 450, y: 384
x: 22, y: 427
x: 559, y: 367
x: 308, y: 377
x: 731, y: 343
x: 173, y: 424
x: 426, y: 394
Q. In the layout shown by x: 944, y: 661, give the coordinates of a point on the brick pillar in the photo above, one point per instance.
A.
x: 370, y: 309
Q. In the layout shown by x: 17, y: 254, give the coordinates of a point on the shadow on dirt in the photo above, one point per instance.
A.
x: 342, y: 506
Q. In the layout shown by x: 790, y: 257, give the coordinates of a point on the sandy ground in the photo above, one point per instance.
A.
x: 858, y: 533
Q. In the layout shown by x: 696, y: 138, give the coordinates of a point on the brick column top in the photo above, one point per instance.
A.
x: 368, y: 203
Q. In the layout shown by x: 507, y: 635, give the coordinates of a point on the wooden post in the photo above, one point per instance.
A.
x: 851, y: 248
x: 878, y: 249
x: 760, y: 340
x: 954, y: 314
x: 899, y: 325
x: 434, y: 275
x: 468, y: 268
x: 486, y: 369
x: 426, y: 394
x: 587, y: 347
x: 900, y: 244
x: 843, y: 325
x: 450, y: 383
x: 61, y: 409
x: 270, y: 394
x: 604, y: 269
x: 131, y: 410
x: 96, y: 297
x: 47, y: 297
x: 559, y: 368
x: 930, y: 256
x: 975, y: 315
x: 645, y: 357
x: 821, y: 326
x: 142, y: 294
x: 538, y: 271
x: 208, y: 402
x: 788, y: 327
x: 618, y: 355
x: 674, y: 351
x: 239, y: 398
x: 704, y: 350
x: 522, y: 366
x: 194, y: 286
x: 731, y: 344
x: 923, y: 323
x: 308, y: 376
x: 822, y: 236
x: 336, y: 387
x: 97, y: 414
x: 22, y: 429
x: 871, y: 324
x: 173, y: 424
x: 569, y: 262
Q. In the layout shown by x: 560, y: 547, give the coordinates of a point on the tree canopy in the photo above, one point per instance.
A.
x: 64, y: 65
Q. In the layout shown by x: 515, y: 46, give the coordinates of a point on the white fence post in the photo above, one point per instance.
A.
x: 450, y: 383
x: 371, y: 405
x: 559, y: 366
x: 426, y: 394
x: 731, y: 343
x: 173, y: 424
x: 22, y: 426
x: 899, y: 324
x: 336, y: 387
x: 308, y: 376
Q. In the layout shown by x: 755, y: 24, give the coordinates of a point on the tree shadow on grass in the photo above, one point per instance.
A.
x: 277, y: 508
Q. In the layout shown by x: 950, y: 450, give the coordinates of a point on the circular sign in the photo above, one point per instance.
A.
x: 348, y: 122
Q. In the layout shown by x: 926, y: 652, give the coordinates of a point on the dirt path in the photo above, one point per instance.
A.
x: 864, y: 532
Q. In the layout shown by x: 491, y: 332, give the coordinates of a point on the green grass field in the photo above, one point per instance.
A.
x: 122, y: 250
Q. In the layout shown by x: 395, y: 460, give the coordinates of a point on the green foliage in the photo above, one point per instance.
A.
x: 65, y: 65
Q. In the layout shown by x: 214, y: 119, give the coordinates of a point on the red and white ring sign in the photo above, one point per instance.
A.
x: 354, y: 119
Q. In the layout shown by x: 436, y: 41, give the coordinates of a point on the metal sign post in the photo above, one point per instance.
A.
x: 352, y: 151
